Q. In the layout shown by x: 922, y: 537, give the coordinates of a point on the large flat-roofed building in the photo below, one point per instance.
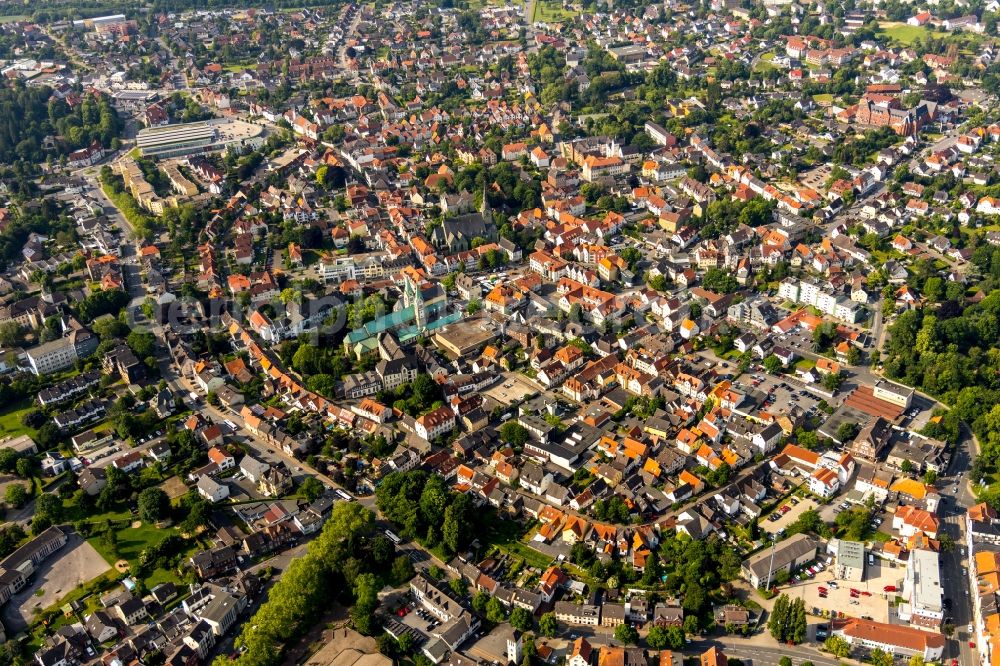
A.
x: 894, y: 393
x: 52, y: 356
x: 176, y: 140
x: 923, y: 606
x: 850, y: 562
x: 793, y: 552
x: 198, y: 137
x: 463, y: 338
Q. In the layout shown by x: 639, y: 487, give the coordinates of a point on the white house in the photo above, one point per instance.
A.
x: 211, y: 489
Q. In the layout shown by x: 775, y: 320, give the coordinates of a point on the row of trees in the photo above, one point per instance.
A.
x: 787, y: 622
x: 347, y: 562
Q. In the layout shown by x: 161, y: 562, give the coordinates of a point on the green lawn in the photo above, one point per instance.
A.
x: 805, y: 364
x: 824, y: 98
x: 10, y: 420
x: 11, y: 18
x: 550, y: 11
x: 764, y: 63
x: 907, y: 34
x: 131, y: 542
x: 508, y: 536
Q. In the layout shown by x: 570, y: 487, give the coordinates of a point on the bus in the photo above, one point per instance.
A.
x: 393, y: 537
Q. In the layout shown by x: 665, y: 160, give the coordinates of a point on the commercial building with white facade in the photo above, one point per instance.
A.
x: 922, y: 593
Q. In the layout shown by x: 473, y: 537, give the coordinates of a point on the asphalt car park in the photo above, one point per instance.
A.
x: 870, y: 598
x: 419, y: 619
x: 786, y: 513
x: 780, y: 392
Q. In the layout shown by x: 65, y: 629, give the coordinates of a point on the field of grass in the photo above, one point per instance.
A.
x: 764, y: 64
x: 131, y: 542
x: 11, y: 18
x: 10, y: 420
x: 805, y: 364
x: 907, y: 34
x: 550, y: 11
x: 824, y: 98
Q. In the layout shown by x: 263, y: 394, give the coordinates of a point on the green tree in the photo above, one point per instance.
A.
x: 311, y: 489
x: 402, y: 570
x: 16, y: 495
x: 25, y: 467
x: 153, y: 505
x: 479, y: 602
x: 879, y: 657
x: 459, y: 586
x: 846, y: 431
x: 514, y: 433
x: 832, y: 381
x: 520, y: 618
x: 772, y: 364
x: 778, y: 619
x: 547, y: 625
x: 366, y: 601
x: 626, y: 633
x: 657, y: 638
x: 49, y: 507
x: 837, y: 646
x: 495, y: 612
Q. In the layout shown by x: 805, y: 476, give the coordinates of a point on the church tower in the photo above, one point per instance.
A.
x: 514, y: 646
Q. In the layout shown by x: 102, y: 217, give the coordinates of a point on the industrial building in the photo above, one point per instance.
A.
x: 198, y: 137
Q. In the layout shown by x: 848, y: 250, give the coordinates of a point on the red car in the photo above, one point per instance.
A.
x: 867, y: 594
x: 889, y: 588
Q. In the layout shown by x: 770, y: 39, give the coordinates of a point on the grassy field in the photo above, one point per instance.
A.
x: 11, y: 18
x: 906, y: 34
x: 824, y: 98
x: 10, y: 420
x: 764, y: 64
x: 131, y: 542
x: 549, y: 11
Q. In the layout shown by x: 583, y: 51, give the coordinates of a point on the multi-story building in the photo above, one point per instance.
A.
x: 922, y: 592
x: 850, y: 561
x: 894, y: 393
x: 578, y: 614
x: 435, y: 423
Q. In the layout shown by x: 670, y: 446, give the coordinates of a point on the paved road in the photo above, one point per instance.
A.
x: 954, y: 564
x: 351, y: 30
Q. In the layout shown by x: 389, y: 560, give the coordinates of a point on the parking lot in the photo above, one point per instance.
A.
x: 419, y: 619
x: 782, y: 392
x: 782, y: 518
x: 815, y: 178
x: 515, y: 387
x: 871, y: 601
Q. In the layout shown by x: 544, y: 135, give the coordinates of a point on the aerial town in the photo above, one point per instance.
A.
x: 476, y: 333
